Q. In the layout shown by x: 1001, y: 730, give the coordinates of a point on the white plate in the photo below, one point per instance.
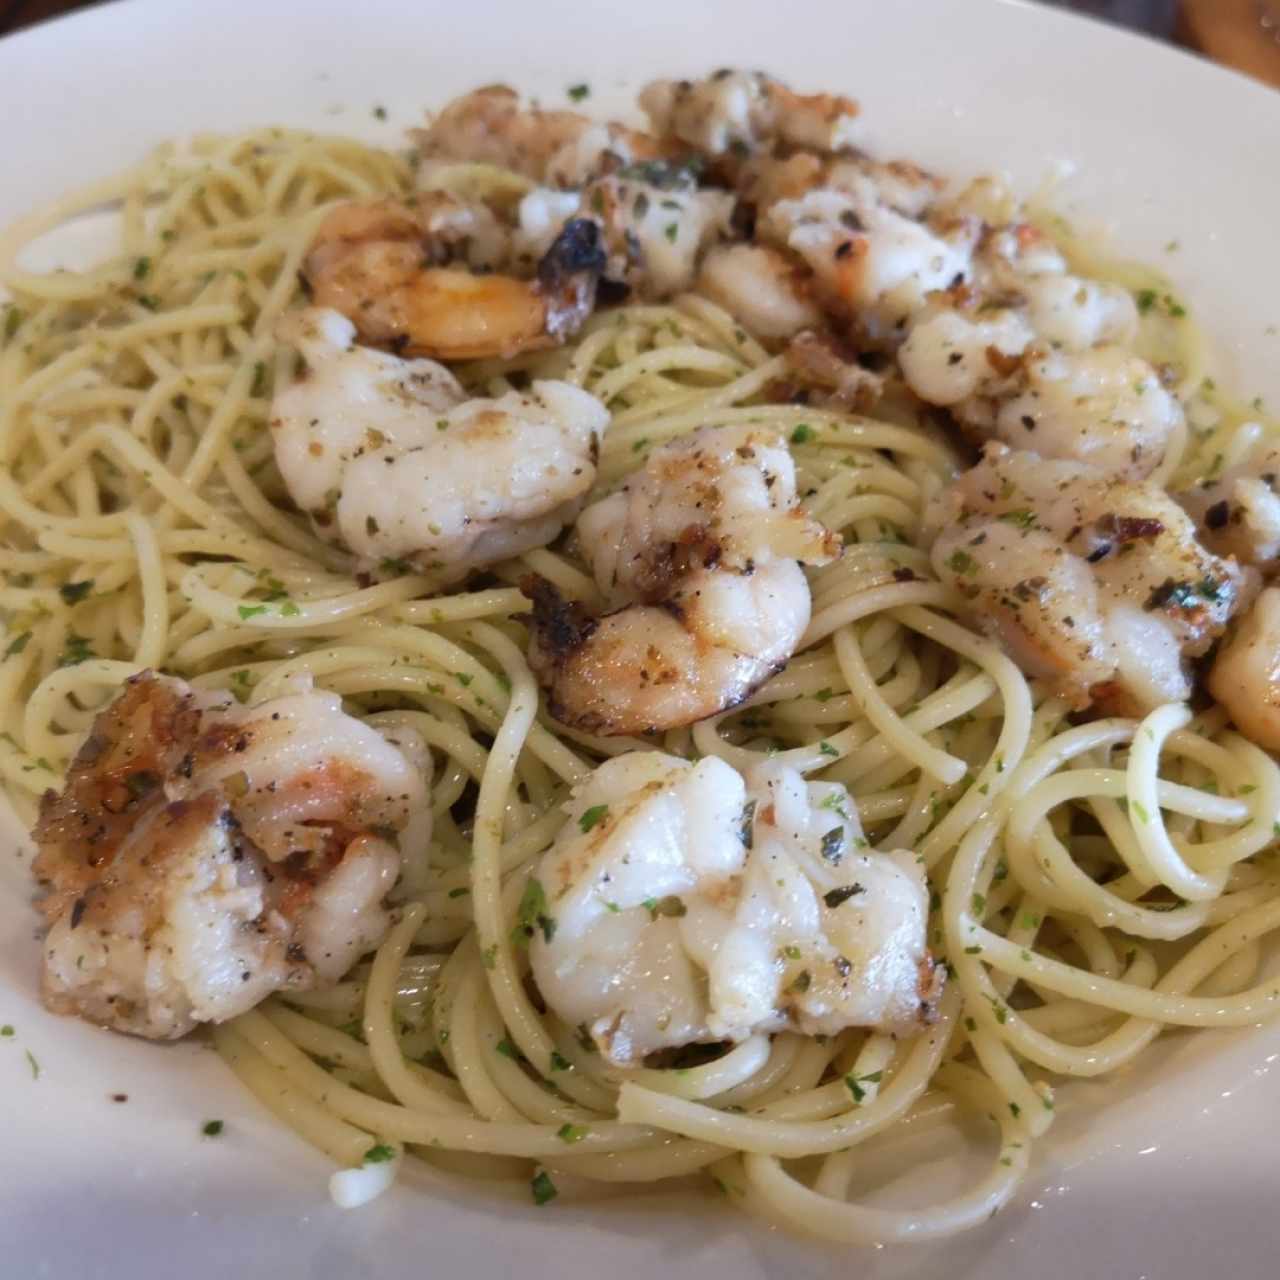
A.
x: 1169, y: 1172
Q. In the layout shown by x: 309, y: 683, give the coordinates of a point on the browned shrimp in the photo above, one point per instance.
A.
x: 203, y: 855
x: 374, y: 263
x: 557, y: 148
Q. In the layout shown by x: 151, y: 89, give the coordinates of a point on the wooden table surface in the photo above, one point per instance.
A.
x: 1244, y: 34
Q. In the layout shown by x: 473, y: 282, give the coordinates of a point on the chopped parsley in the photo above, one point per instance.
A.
x: 212, y: 1128
x: 12, y: 321
x: 1022, y: 518
x: 577, y: 92
x: 824, y: 695
x: 508, y: 1050
x: 532, y: 914
x: 671, y: 231
x: 961, y: 562
x: 247, y: 611
x: 76, y: 652
x: 17, y: 644
x: 1146, y: 299
x: 572, y: 1132
x: 543, y: 1188
x: 593, y: 817
x: 33, y: 1064
x: 802, y: 434
x: 380, y: 1153
x: 142, y: 268
x: 559, y: 1062
x: 827, y: 749
x: 855, y: 1084
x: 379, y: 113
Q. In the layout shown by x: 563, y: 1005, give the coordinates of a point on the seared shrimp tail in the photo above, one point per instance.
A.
x: 569, y: 275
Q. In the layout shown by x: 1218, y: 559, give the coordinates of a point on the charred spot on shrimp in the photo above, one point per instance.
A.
x: 569, y: 274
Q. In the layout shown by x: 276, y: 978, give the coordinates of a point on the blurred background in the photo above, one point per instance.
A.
x: 1244, y: 34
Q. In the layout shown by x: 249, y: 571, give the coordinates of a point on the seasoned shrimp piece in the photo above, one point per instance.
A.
x: 1105, y: 407
x: 1096, y: 585
x: 742, y: 110
x: 390, y: 457
x: 655, y: 235
x: 871, y: 265
x: 1245, y: 676
x: 680, y: 904
x: 765, y: 291
x: 556, y: 148
x: 655, y: 224
x: 203, y: 855
x: 1238, y: 509
x: 373, y: 263
x: 762, y: 180
x: 697, y: 557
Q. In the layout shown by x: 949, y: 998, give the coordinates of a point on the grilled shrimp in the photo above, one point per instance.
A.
x: 1101, y: 405
x: 203, y: 855
x: 391, y: 458
x: 763, y: 179
x: 1093, y: 584
x: 1245, y: 676
x: 871, y: 265
x: 374, y: 263
x: 765, y: 291
x: 744, y: 110
x: 554, y: 148
x: 1238, y: 510
x: 686, y: 904
x: 697, y: 556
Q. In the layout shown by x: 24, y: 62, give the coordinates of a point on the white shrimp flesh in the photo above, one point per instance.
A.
x: 391, y: 458
x: 698, y: 557
x: 554, y: 148
x: 203, y: 855
x: 741, y: 111
x: 1245, y: 676
x: 682, y: 903
x: 1237, y: 508
x: 1096, y: 585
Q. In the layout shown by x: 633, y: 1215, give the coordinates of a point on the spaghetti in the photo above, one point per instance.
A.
x: 1093, y: 884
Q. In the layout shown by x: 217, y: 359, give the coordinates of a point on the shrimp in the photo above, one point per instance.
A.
x: 1245, y: 676
x: 732, y: 111
x: 1238, y: 509
x: 1096, y: 404
x: 765, y: 292
x: 554, y: 148
x: 872, y: 267
x: 389, y: 457
x: 372, y: 263
x: 683, y: 903
x: 696, y: 556
x: 1093, y: 584
x: 762, y: 180
x: 203, y: 855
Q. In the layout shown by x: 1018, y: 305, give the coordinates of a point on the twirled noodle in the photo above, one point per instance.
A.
x: 1092, y: 884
